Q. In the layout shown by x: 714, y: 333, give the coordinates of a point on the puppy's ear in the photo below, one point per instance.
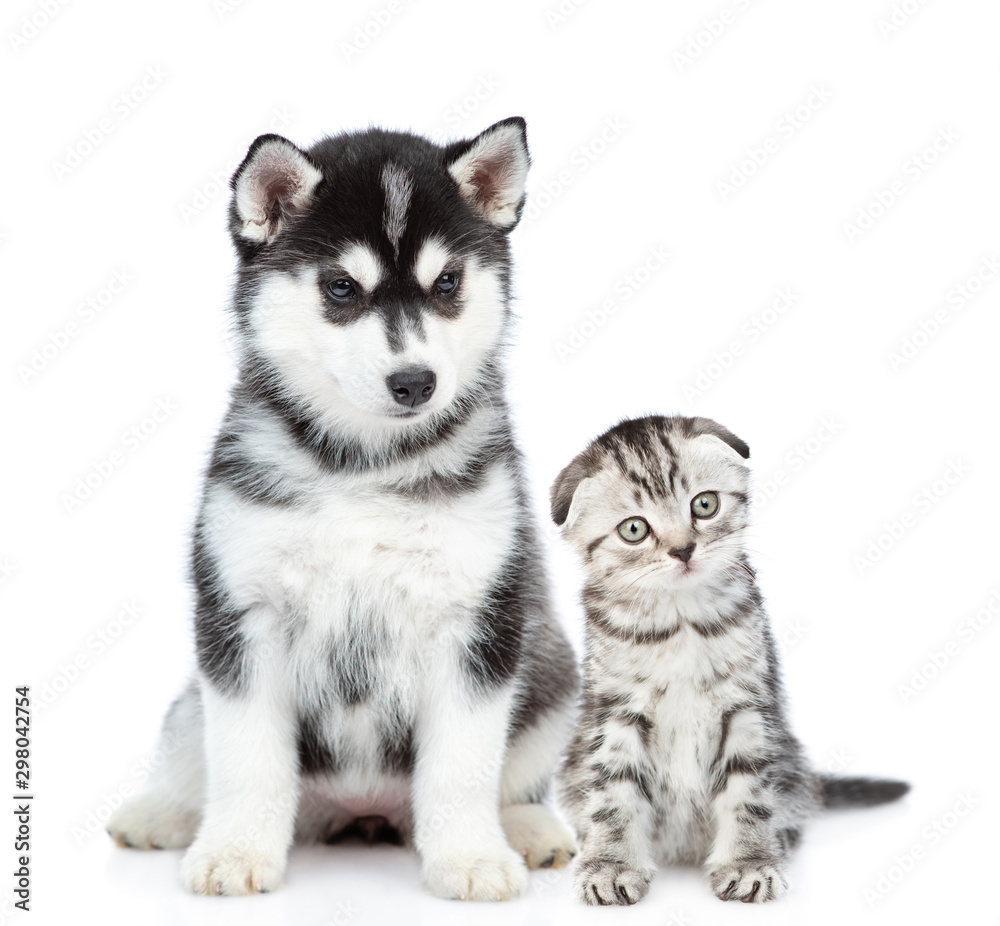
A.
x: 698, y: 426
x: 564, y: 488
x: 275, y: 182
x: 491, y: 170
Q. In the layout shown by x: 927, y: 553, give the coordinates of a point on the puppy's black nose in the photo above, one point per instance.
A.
x: 683, y: 553
x: 412, y: 387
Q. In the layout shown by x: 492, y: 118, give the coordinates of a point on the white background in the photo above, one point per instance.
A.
x: 149, y: 201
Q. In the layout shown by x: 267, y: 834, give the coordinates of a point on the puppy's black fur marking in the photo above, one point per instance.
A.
x: 219, y: 641
x: 315, y: 755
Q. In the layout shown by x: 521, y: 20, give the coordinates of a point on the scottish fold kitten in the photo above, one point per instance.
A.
x: 683, y: 751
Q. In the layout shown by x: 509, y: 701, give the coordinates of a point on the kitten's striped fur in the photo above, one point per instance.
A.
x: 683, y: 751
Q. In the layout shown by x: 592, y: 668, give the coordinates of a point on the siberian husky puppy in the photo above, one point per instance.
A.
x: 376, y: 652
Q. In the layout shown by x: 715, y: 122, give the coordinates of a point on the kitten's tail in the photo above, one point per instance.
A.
x: 859, y: 792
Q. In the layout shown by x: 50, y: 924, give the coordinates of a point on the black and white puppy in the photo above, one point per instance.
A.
x: 376, y: 653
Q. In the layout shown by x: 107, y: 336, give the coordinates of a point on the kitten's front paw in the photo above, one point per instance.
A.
x: 224, y: 869
x: 751, y: 880
x: 499, y: 874
x: 603, y: 881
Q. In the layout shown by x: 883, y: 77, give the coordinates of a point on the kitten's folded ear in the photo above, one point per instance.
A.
x: 698, y: 426
x: 564, y: 488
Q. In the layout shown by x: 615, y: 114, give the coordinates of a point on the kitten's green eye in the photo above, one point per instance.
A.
x: 633, y: 530
x: 705, y: 505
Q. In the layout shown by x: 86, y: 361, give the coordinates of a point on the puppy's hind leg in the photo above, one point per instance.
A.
x: 167, y: 814
x: 543, y: 720
x: 540, y: 837
x: 532, y: 829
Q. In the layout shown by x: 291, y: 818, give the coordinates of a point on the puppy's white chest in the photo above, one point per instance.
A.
x: 359, y: 546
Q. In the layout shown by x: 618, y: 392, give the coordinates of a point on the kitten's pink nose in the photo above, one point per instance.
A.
x: 683, y: 553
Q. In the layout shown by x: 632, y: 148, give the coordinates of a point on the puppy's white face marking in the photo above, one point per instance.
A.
x: 340, y: 370
x: 432, y: 260
x: 470, y: 337
x: 363, y: 265
x: 398, y: 186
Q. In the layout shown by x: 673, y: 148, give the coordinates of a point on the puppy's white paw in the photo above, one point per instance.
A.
x: 224, y: 869
x: 753, y: 880
x: 605, y: 882
x: 497, y: 874
x: 151, y: 821
x: 538, y: 835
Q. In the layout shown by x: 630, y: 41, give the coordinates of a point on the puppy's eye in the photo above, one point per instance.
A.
x: 705, y: 505
x: 343, y: 288
x: 633, y: 530
x: 446, y: 283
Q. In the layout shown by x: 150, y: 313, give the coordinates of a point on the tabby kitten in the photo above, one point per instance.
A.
x: 683, y: 751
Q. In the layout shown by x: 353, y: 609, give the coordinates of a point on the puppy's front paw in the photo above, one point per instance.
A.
x: 225, y: 869
x: 499, y: 874
x: 605, y: 881
x: 752, y: 880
